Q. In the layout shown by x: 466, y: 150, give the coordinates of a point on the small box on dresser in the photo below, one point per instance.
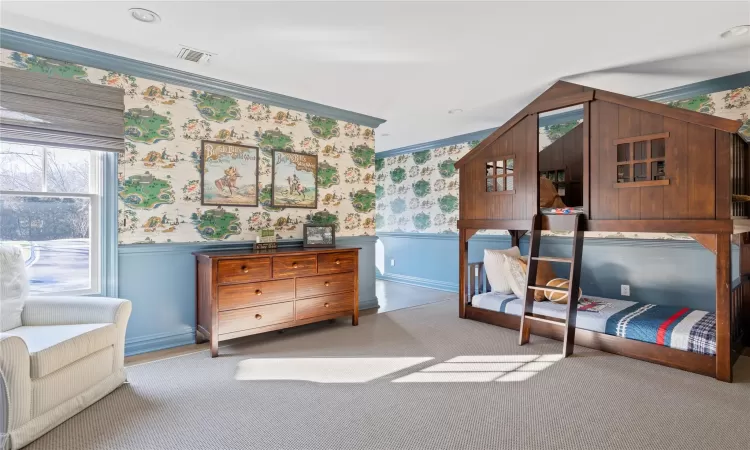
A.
x: 244, y: 292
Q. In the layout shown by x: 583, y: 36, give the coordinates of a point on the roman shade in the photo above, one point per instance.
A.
x: 39, y: 109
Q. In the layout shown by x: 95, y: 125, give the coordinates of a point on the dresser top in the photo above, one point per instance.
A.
x: 246, y: 252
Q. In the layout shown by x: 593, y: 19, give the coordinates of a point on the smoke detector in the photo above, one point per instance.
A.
x: 194, y: 55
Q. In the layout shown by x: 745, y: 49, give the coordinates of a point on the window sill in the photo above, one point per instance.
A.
x: 501, y: 192
x: 640, y: 184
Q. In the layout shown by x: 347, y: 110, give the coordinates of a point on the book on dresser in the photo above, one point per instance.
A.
x: 244, y: 292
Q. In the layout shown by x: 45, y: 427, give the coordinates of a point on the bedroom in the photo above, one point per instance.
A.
x: 325, y: 227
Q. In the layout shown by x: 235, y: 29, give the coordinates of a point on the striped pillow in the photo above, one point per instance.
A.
x: 494, y: 267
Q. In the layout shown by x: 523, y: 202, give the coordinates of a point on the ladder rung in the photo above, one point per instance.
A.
x: 553, y: 259
x: 550, y: 321
x: 548, y: 288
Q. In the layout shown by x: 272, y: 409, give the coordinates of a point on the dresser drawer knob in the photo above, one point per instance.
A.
x: 326, y: 283
x: 258, y: 292
x: 338, y: 262
x: 245, y: 269
x: 258, y: 316
x: 325, y: 305
x: 294, y: 265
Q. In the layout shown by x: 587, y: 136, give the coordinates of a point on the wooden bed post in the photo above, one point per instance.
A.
x: 515, y: 237
x: 744, y: 244
x: 463, y: 246
x: 723, y: 307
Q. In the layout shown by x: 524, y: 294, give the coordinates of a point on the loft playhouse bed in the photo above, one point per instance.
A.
x: 642, y: 167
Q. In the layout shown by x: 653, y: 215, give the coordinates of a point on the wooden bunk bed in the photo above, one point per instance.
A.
x: 645, y: 167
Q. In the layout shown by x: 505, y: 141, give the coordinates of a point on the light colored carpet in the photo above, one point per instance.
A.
x: 590, y: 401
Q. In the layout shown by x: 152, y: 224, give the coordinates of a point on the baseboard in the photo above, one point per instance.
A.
x: 161, y: 341
x: 368, y: 304
x: 421, y: 282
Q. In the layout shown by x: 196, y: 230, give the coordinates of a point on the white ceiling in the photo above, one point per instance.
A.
x: 409, y: 63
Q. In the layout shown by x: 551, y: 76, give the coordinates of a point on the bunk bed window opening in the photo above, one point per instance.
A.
x: 500, y: 175
x: 641, y: 160
x: 557, y: 177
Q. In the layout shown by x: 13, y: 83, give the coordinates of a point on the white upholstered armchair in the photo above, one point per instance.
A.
x: 65, y: 354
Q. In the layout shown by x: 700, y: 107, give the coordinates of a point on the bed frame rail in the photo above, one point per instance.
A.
x: 739, y: 311
x: 478, y: 282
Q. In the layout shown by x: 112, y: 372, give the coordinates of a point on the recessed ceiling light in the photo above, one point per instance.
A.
x: 455, y: 111
x: 384, y: 134
x: 736, y: 31
x: 144, y: 15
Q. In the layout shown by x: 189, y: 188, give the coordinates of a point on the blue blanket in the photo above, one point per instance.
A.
x: 671, y: 326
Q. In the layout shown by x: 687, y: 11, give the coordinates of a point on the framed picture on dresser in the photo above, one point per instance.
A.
x: 320, y: 236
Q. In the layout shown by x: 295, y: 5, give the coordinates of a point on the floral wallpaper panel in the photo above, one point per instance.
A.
x: 159, y: 178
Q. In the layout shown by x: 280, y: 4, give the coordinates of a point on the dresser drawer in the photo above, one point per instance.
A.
x: 294, y: 266
x: 255, y: 317
x: 325, y: 284
x: 235, y: 296
x: 243, y: 270
x: 322, y: 306
x: 336, y: 262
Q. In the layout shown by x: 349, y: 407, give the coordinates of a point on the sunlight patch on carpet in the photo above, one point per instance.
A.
x: 482, y: 369
x: 323, y: 370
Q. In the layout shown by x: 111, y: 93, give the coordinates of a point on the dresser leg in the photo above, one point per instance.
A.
x: 214, y: 347
x: 355, y: 318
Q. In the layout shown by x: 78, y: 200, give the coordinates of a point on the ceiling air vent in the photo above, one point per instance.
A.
x: 191, y: 54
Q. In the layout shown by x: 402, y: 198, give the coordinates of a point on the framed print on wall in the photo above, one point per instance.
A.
x: 294, y: 180
x: 229, y: 174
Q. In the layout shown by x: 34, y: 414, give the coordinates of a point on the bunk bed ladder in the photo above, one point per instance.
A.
x: 573, y: 285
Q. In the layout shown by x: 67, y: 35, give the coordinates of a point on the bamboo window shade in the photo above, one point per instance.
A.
x: 42, y: 110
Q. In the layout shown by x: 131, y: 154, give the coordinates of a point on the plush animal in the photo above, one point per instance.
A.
x: 560, y: 297
x: 548, y: 197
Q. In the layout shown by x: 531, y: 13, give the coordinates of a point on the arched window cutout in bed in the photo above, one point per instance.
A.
x: 561, y: 153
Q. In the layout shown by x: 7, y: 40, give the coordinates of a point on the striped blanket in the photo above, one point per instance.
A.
x: 671, y: 326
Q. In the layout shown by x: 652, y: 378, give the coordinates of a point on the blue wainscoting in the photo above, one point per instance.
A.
x: 658, y: 271
x: 160, y: 281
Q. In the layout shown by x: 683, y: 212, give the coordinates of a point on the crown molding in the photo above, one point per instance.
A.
x: 35, y: 45
x: 668, y: 95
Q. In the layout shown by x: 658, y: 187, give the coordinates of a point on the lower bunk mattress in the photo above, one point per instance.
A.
x: 671, y: 326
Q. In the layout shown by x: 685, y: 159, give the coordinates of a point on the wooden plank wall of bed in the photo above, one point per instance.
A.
x: 705, y: 164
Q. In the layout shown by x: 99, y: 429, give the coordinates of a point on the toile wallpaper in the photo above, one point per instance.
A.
x: 159, y: 178
x: 418, y: 192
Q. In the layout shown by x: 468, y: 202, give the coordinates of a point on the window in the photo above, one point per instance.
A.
x: 49, y: 205
x: 641, y: 160
x: 558, y: 180
x: 499, y: 175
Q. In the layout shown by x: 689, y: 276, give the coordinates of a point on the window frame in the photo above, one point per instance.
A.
x: 495, y: 176
x: 95, y: 195
x: 648, y: 161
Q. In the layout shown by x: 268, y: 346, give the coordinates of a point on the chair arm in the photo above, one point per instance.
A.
x: 15, y: 370
x: 75, y: 310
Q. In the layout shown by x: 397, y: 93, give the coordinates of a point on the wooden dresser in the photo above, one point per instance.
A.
x: 243, y: 292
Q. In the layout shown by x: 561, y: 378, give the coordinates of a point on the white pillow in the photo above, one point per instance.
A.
x: 516, y: 270
x: 14, y: 286
x: 494, y: 267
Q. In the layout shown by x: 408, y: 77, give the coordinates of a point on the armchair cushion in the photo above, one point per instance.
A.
x: 52, y: 347
x: 71, y: 310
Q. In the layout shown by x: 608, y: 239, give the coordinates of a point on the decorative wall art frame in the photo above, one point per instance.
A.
x: 294, y: 180
x: 229, y: 174
x: 319, y: 236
